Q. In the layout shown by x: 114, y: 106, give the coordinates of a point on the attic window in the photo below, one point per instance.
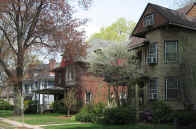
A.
x: 148, y: 20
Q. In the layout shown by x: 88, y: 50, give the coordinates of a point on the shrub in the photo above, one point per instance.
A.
x: 30, y: 106
x: 86, y: 114
x: 58, y: 107
x: 4, y: 105
x: 159, y: 111
x: 185, y: 118
x: 120, y: 115
x: 91, y: 113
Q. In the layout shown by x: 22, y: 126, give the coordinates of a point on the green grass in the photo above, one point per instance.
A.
x: 41, y: 119
x: 5, y: 125
x: 38, y: 119
x: 96, y: 126
x: 5, y: 113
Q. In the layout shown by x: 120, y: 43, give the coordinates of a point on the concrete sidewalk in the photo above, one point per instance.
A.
x: 19, y: 124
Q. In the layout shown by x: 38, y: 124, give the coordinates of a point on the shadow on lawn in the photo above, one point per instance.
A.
x: 97, y: 126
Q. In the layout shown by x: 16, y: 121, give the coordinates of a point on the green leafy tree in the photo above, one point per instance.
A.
x: 119, y: 31
x: 117, y: 65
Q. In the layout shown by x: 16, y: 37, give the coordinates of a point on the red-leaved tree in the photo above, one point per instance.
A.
x: 32, y: 25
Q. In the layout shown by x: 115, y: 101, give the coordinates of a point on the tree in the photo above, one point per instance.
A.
x: 70, y: 99
x: 28, y: 25
x: 117, y: 65
x: 119, y: 31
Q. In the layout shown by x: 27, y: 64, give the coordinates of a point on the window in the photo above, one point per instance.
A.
x: 88, y: 97
x: 171, y: 89
x: 153, y: 89
x: 152, y: 54
x: 148, y: 20
x: 171, y: 51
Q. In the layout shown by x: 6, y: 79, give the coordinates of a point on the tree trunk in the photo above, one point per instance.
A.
x: 68, y: 111
x: 117, y: 99
x: 18, y: 85
x: 17, y: 101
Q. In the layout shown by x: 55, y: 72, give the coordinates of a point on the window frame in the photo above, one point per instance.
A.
x: 165, y: 53
x: 154, y: 55
x: 149, y: 21
x: 156, y: 89
x: 166, y: 88
x: 88, y: 101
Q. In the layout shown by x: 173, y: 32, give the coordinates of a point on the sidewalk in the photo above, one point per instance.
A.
x: 19, y: 124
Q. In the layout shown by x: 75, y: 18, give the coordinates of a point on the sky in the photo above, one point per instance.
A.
x: 103, y: 13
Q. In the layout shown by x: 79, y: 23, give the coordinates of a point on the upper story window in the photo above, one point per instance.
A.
x: 153, y: 89
x: 171, y: 88
x: 88, y: 97
x: 152, y: 57
x: 171, y: 51
x: 148, y: 20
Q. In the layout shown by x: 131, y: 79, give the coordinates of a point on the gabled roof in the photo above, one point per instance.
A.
x: 173, y: 17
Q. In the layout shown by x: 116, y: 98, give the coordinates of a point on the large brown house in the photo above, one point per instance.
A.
x: 164, y: 41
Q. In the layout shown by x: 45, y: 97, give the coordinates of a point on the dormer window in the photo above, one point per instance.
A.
x: 148, y: 20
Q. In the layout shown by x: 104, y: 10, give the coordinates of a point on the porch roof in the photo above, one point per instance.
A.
x: 137, y: 42
x: 52, y: 91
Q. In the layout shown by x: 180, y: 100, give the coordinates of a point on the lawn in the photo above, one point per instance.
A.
x: 38, y: 119
x: 96, y: 126
x: 49, y: 119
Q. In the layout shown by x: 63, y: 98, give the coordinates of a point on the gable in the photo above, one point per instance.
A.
x: 159, y: 20
x: 192, y: 11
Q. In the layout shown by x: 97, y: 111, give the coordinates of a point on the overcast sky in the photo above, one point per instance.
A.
x: 105, y: 12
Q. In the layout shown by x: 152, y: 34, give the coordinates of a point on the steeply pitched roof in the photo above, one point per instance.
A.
x: 177, y: 17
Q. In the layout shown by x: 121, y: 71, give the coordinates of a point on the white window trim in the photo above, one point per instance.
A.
x: 165, y: 55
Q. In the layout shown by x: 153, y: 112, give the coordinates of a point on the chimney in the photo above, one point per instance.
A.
x: 52, y: 64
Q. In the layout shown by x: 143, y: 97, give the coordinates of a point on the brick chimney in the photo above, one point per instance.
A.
x: 52, y: 64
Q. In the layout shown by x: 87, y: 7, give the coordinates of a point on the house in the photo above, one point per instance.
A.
x: 74, y: 73
x: 38, y: 85
x: 164, y: 42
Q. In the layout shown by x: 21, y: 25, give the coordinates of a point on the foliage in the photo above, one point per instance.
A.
x: 35, y: 26
x: 91, y: 113
x: 120, y: 115
x: 185, y: 118
x: 58, y: 107
x: 30, y: 106
x: 4, y: 105
x: 117, y: 65
x: 161, y: 112
x: 119, y: 31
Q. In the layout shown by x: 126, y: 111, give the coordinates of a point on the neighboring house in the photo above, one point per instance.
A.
x: 157, y: 40
x: 6, y: 93
x: 74, y: 73
x: 39, y: 84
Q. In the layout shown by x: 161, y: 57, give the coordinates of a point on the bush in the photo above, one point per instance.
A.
x: 158, y: 112
x: 120, y: 115
x: 58, y: 107
x: 30, y: 106
x: 185, y: 118
x: 4, y: 105
x: 91, y: 113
